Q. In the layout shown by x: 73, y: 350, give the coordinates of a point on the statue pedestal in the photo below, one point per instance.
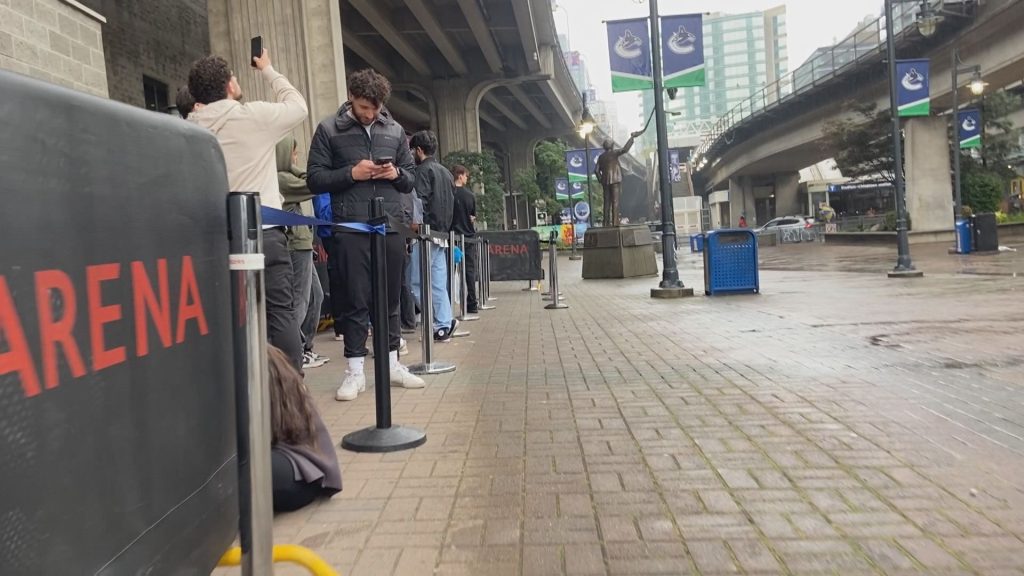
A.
x: 619, y: 252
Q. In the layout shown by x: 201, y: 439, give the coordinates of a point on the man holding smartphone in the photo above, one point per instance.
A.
x: 248, y: 135
x: 357, y: 155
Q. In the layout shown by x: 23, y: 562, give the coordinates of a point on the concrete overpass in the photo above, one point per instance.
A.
x: 758, y: 148
x: 480, y: 73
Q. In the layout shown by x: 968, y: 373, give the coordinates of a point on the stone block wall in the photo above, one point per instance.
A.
x: 54, y: 40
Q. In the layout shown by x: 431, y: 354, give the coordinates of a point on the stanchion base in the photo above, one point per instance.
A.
x: 383, y: 439
x: 547, y: 297
x: 432, y: 368
x: 556, y: 306
x: 469, y: 318
x: 491, y: 298
x: 671, y: 292
x: 906, y: 274
x: 460, y: 334
x: 576, y: 257
x: 485, y: 307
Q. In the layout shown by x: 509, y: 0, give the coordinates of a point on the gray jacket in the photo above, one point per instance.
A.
x: 339, y: 143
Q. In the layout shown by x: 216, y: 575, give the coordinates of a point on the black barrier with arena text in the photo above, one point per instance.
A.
x: 515, y: 255
x: 117, y: 409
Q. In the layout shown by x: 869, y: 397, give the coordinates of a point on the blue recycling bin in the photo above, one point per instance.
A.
x: 964, y: 236
x: 730, y: 262
x: 696, y: 242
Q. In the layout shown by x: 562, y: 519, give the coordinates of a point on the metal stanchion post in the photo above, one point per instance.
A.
x: 252, y: 401
x: 453, y: 269
x: 556, y: 296
x: 464, y: 314
x: 487, y: 276
x: 428, y: 365
x: 546, y: 295
x: 483, y: 272
x: 384, y: 437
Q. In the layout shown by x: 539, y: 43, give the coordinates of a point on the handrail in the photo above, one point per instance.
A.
x: 829, y: 64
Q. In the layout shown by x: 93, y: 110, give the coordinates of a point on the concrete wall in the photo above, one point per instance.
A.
x: 929, y: 191
x: 305, y: 44
x: 787, y: 194
x: 156, y: 38
x: 55, y: 41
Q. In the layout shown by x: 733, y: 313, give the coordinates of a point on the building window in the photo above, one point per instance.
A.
x: 155, y: 93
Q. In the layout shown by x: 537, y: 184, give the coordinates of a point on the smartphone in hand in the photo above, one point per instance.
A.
x: 256, y: 49
x: 383, y: 160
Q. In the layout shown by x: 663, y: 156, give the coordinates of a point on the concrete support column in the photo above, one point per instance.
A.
x: 520, y: 146
x: 741, y: 201
x: 929, y: 190
x: 787, y: 194
x: 458, y: 115
x: 305, y: 44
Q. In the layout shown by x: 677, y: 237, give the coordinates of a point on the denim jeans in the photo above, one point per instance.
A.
x: 442, y: 306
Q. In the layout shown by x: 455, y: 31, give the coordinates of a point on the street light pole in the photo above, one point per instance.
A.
x: 957, y: 201
x: 904, y: 265
x: 670, y: 271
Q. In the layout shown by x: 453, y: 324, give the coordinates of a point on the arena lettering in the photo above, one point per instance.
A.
x: 509, y: 249
x: 57, y: 306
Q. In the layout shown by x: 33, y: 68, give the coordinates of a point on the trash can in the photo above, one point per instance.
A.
x: 986, y: 233
x: 696, y: 242
x: 730, y: 262
x: 964, y: 233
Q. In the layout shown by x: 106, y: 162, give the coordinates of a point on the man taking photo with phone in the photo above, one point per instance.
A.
x: 357, y: 155
x: 248, y: 135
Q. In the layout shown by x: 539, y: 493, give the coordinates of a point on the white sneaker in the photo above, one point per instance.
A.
x: 312, y: 360
x: 351, y: 386
x: 402, y: 378
x: 339, y: 338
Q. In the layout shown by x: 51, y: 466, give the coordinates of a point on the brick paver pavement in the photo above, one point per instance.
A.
x: 838, y: 423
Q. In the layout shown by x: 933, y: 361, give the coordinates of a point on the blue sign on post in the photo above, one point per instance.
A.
x: 561, y: 188
x: 629, y: 54
x: 582, y: 210
x: 575, y: 163
x: 913, y: 84
x: 969, y: 127
x: 682, y: 42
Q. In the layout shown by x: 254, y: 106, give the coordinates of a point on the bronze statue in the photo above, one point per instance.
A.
x: 609, y: 174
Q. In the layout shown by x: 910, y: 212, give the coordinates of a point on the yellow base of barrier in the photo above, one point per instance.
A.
x: 285, y: 553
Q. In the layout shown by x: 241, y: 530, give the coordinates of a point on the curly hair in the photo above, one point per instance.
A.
x: 208, y: 79
x: 370, y: 85
x: 184, y: 102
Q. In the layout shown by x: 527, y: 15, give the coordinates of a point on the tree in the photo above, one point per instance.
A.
x: 862, y: 145
x: 483, y: 170
x: 549, y: 157
x: 982, y: 190
x: 1001, y: 141
x: 525, y: 182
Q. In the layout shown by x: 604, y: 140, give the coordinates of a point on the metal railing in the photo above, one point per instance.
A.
x: 866, y: 42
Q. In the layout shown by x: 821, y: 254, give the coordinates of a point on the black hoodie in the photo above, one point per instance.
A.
x: 339, y: 143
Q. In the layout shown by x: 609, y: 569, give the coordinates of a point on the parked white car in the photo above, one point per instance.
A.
x: 786, y: 223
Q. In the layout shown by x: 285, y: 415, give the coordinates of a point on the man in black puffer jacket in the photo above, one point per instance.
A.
x: 357, y: 155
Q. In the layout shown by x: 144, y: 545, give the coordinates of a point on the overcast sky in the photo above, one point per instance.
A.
x: 809, y: 23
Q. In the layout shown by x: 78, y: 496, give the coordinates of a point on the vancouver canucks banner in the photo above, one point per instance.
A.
x: 912, y: 88
x: 562, y: 188
x: 969, y: 122
x: 629, y: 53
x: 682, y: 43
x: 575, y: 163
x: 577, y: 189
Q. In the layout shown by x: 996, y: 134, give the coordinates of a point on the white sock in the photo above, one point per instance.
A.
x: 393, y: 355
x: 355, y: 365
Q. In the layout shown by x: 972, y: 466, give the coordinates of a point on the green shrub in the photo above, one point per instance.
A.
x: 982, y: 191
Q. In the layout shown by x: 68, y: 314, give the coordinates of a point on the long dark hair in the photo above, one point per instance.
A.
x: 291, y: 408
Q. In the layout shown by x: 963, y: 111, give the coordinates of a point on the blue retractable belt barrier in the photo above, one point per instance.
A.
x: 275, y: 217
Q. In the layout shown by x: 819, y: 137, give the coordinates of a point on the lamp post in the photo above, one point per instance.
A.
x: 927, y: 21
x: 670, y: 282
x: 977, y: 88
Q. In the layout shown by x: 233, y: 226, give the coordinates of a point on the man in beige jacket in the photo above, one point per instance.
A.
x: 248, y: 135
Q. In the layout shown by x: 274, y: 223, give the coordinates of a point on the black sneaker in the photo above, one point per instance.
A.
x: 455, y: 326
x: 443, y: 335
x: 472, y: 310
